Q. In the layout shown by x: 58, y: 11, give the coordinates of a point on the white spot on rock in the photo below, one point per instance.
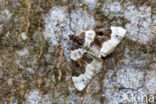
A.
x: 30, y: 70
x: 5, y: 15
x: 140, y: 26
x: 23, y: 52
x: 91, y: 3
x: 129, y: 77
x: 81, y: 21
x: 7, y: 34
x: 23, y: 36
x: 150, y: 82
x: 33, y: 97
x: 57, y: 25
x: 57, y: 28
x: 113, y: 9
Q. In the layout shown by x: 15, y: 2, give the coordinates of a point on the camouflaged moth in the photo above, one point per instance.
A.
x: 89, y: 48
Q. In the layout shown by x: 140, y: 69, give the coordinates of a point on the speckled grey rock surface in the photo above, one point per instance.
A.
x: 35, y: 67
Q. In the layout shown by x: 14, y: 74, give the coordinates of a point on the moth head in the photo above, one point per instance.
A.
x: 118, y: 33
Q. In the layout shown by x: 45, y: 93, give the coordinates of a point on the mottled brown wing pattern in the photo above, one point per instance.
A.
x: 80, y: 64
x: 102, y: 34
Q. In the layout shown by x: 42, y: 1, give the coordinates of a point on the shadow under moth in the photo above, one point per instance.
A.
x: 90, y: 48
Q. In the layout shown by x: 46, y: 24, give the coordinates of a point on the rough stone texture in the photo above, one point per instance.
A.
x: 35, y: 67
x: 90, y: 3
x: 140, y: 21
x: 113, y: 9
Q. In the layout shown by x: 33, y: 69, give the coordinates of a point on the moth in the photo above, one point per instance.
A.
x: 89, y: 49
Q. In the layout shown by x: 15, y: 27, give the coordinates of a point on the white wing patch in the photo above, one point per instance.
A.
x: 118, y: 33
x: 77, y: 54
x: 89, y: 37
